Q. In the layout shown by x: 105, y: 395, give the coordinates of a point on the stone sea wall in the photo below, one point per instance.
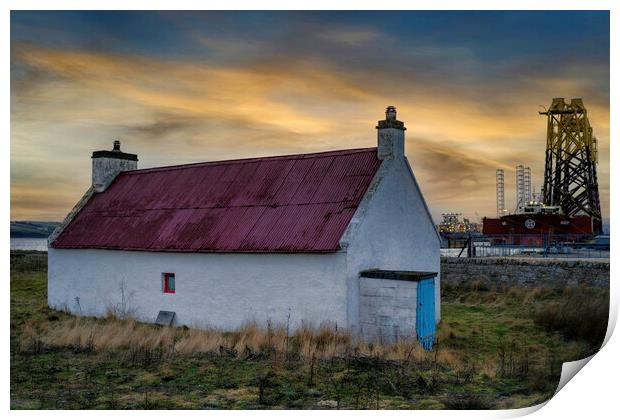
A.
x: 525, y: 272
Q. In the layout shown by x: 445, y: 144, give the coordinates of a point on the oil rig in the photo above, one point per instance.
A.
x: 569, y: 203
x: 570, y: 165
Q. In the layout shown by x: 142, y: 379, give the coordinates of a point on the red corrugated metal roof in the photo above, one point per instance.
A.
x: 299, y: 203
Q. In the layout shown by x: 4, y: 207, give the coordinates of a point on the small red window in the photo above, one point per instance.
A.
x: 168, y: 283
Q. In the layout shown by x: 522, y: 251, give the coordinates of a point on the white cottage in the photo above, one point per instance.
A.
x: 341, y: 237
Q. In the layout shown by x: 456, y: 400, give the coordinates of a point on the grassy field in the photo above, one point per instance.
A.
x: 497, y: 349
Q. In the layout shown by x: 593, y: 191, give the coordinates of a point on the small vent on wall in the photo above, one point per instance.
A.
x: 165, y: 318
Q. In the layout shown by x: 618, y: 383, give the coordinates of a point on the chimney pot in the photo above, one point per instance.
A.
x: 117, y: 145
x: 390, y: 113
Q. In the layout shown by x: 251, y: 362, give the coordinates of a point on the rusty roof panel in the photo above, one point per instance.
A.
x: 299, y: 203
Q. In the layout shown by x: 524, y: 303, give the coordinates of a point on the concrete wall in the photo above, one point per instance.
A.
x: 391, y: 230
x: 387, y: 308
x: 524, y: 272
x: 220, y: 290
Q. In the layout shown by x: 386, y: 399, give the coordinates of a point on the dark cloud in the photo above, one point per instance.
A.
x: 449, y: 170
x: 163, y: 125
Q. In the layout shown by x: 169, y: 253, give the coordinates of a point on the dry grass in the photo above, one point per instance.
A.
x: 30, y: 340
x: 477, y: 293
x: 488, y: 346
x: 141, y: 340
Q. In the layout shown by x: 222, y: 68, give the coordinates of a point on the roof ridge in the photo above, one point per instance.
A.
x: 340, y: 152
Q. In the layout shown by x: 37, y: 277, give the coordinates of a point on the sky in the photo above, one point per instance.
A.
x: 184, y: 87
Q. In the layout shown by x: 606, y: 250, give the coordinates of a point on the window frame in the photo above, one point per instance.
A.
x: 165, y: 283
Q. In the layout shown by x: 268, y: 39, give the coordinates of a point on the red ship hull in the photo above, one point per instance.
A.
x: 536, y: 229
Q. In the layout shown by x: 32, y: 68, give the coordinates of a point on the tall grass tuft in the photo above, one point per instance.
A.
x: 144, y: 343
x: 30, y: 340
x: 582, y: 314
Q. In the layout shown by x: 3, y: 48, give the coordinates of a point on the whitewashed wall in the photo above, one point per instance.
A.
x: 220, y: 290
x: 391, y: 230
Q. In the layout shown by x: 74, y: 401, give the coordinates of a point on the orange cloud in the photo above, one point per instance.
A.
x: 172, y: 111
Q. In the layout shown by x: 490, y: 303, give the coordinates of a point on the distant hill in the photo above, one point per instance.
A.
x: 30, y: 229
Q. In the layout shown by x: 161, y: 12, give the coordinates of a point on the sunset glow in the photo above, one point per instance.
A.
x: 183, y: 87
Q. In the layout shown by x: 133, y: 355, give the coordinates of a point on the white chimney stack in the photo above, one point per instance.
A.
x: 107, y: 164
x: 391, y: 136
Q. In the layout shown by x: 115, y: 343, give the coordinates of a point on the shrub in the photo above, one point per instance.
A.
x: 466, y: 402
x: 583, y: 314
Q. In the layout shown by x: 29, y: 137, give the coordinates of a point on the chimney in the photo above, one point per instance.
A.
x: 107, y: 164
x: 390, y: 136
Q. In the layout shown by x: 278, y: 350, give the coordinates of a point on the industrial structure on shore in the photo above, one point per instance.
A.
x: 453, y: 223
x: 568, y: 205
x: 499, y: 186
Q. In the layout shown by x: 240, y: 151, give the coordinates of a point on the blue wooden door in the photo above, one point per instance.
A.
x: 425, y: 317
